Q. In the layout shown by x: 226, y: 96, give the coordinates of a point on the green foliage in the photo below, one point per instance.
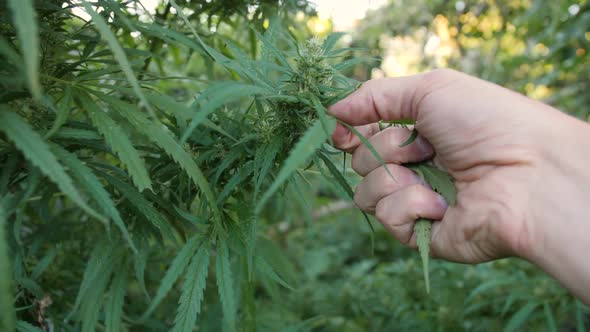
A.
x: 6, y: 293
x: 100, y: 135
x: 192, y: 291
x: 28, y: 36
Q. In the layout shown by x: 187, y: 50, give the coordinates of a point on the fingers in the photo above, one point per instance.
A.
x: 378, y: 184
x: 387, y: 144
x: 379, y: 99
x: 346, y: 140
x: 398, y: 211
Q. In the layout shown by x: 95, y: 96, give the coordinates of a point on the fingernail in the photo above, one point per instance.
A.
x: 420, y: 180
x: 443, y: 202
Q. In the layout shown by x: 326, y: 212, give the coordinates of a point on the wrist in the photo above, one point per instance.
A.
x: 558, y: 227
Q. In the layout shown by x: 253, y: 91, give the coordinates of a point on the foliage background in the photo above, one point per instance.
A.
x: 310, y: 238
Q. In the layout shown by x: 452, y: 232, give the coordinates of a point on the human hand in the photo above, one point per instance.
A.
x: 521, y: 188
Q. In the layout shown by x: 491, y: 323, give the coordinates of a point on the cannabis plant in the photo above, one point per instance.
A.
x: 104, y: 178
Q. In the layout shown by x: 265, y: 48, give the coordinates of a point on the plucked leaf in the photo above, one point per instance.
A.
x: 439, y: 180
x: 311, y: 140
x: 23, y: 15
x: 422, y: 230
x: 410, y: 139
x: 225, y: 285
x: 36, y: 150
x: 120, y: 143
x: 176, y: 268
x: 192, y: 290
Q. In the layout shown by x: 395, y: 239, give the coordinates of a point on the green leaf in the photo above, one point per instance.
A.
x: 180, y: 12
x: 23, y: 15
x: 164, y: 139
x: 264, y: 161
x: 120, y: 143
x: 9, y: 53
x: 176, y: 268
x: 142, y: 205
x: 114, y: 305
x: 171, y: 36
x: 353, y: 62
x: 520, y: 317
x: 217, y: 95
x: 551, y: 326
x: 311, y: 140
x: 7, y: 314
x: 267, y: 270
x: 94, y: 283
x: 269, y: 48
x: 76, y: 134
x: 225, y: 285
x: 239, y: 176
x: 118, y: 53
x: 44, y: 263
x: 139, y: 263
x: 491, y: 283
x: 94, y: 187
x: 331, y: 40
x: 346, y: 187
x: 30, y: 143
x: 580, y: 317
x: 422, y: 230
x: 22, y: 326
x: 321, y: 112
x: 189, y: 305
x: 63, y: 111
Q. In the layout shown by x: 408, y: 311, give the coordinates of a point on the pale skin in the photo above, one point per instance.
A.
x: 521, y: 168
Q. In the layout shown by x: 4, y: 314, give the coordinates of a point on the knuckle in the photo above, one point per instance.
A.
x: 385, y: 180
x: 381, y: 211
x: 375, y: 82
x: 357, y: 162
x: 440, y: 74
